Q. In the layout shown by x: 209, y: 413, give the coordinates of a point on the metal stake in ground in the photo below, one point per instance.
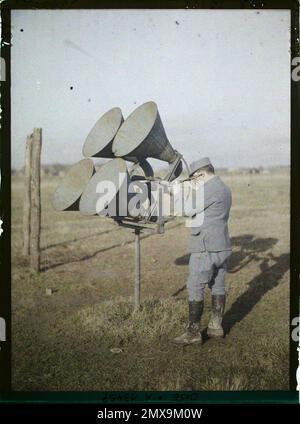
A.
x: 137, y: 286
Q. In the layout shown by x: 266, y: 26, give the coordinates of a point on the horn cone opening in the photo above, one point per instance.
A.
x: 99, y: 141
x: 108, y: 181
x: 142, y: 135
x: 67, y: 195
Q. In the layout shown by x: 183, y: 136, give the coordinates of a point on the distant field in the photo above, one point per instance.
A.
x: 63, y: 341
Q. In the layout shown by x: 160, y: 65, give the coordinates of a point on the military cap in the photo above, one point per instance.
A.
x: 199, y: 164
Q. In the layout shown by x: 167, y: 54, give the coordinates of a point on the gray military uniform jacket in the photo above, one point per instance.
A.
x: 212, y: 235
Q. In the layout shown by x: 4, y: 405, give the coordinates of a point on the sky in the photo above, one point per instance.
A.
x: 220, y: 78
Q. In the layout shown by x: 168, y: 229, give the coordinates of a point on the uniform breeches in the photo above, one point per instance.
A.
x: 206, y: 268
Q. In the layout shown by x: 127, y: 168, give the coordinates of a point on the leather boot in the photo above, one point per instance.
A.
x: 193, y: 331
x: 214, y: 328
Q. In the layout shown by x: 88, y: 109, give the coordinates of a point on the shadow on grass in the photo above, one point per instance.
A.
x: 258, y: 287
x: 84, y: 258
x: 92, y: 255
x: 251, y: 249
x: 74, y: 240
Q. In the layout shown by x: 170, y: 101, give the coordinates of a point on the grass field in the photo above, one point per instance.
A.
x: 63, y: 341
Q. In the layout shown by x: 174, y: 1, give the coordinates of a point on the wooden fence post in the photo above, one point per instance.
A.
x: 35, y: 221
x: 27, y: 197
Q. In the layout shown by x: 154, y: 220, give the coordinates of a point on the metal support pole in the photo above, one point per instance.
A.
x: 137, y: 286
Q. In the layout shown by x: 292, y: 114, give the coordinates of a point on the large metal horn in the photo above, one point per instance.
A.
x: 142, y: 135
x: 106, y: 193
x: 67, y: 195
x: 99, y: 141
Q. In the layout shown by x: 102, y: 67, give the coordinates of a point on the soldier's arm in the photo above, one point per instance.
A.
x: 202, y: 203
x: 191, y: 199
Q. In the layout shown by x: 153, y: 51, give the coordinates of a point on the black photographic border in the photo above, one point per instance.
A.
x: 8, y: 396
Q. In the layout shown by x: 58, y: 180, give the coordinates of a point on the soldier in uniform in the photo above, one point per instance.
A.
x: 210, y: 247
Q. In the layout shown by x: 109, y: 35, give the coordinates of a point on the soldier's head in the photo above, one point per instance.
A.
x: 202, y: 170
